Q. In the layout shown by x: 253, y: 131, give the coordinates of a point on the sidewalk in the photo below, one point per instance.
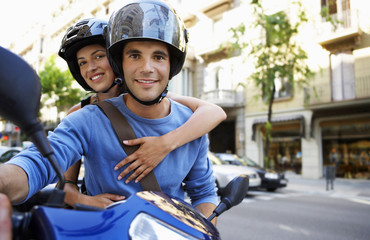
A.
x: 345, y: 187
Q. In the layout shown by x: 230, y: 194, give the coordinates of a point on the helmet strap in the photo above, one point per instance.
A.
x: 117, y: 81
x: 148, y: 103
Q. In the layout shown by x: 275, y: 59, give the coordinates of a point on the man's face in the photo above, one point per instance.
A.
x: 146, y: 67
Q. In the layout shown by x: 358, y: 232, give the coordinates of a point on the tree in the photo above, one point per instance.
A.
x: 57, y: 84
x: 277, y: 56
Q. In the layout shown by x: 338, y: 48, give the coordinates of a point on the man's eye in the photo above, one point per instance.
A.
x: 159, y: 58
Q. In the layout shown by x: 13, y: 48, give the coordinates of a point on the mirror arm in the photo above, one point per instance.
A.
x: 56, y: 199
x: 40, y: 141
x: 224, y: 205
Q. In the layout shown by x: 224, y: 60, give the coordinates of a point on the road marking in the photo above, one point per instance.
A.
x: 359, y: 201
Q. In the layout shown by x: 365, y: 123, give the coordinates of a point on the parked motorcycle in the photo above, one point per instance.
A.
x: 143, y: 215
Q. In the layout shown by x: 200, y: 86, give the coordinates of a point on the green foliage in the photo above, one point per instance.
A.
x: 276, y: 54
x: 329, y: 18
x: 58, y: 85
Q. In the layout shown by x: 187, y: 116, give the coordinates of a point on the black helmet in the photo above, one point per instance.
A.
x: 146, y: 20
x: 83, y: 33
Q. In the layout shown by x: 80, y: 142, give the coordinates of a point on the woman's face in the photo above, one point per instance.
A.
x: 95, y: 67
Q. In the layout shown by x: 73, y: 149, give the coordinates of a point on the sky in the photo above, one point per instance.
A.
x: 18, y: 15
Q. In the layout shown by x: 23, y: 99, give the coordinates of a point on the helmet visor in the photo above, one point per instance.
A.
x: 147, y: 21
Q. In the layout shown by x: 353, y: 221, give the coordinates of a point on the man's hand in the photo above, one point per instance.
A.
x: 5, y: 218
x: 151, y: 152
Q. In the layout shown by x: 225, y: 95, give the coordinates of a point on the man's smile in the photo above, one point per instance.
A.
x: 146, y: 81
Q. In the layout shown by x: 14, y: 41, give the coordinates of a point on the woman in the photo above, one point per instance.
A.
x: 83, y: 48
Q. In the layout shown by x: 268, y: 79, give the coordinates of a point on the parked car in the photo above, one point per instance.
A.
x: 270, y: 179
x: 3, y: 149
x: 9, y: 154
x: 225, y: 172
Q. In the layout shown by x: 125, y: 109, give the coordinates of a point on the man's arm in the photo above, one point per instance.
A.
x: 207, y: 209
x: 5, y: 218
x: 13, y: 182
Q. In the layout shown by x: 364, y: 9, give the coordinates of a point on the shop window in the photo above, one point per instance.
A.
x: 285, y: 155
x: 285, y: 147
x: 346, y: 144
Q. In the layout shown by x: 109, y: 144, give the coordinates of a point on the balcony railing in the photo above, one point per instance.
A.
x: 347, y: 19
x: 363, y: 87
x: 322, y: 93
x: 224, y: 98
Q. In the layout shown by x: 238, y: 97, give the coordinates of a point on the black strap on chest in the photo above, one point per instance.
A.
x: 85, y: 101
x: 124, y: 131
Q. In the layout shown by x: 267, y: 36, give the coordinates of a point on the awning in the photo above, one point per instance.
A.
x: 352, y: 110
x: 286, y: 118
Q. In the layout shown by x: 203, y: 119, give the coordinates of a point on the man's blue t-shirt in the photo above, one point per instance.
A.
x: 89, y: 133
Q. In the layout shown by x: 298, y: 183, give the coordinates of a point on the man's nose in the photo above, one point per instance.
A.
x: 147, y: 65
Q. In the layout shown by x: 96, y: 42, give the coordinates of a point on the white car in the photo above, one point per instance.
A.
x: 225, y: 172
x: 3, y: 149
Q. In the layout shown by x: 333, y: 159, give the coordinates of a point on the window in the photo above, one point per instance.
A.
x: 338, y: 11
x: 331, y: 5
x: 283, y: 88
x: 186, y: 82
x: 343, y: 76
x: 41, y: 45
x: 182, y: 83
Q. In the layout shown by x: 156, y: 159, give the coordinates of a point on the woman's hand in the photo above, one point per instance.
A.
x: 101, y: 200
x: 151, y: 152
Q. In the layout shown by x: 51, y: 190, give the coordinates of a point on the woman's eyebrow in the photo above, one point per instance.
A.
x: 99, y: 50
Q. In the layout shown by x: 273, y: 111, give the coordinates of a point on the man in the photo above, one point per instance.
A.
x: 146, y: 47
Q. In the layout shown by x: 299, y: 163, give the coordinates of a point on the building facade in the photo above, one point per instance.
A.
x: 328, y: 123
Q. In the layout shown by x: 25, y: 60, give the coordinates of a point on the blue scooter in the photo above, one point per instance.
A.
x: 144, y: 215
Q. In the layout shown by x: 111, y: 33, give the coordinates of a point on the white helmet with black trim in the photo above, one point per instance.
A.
x: 147, y: 20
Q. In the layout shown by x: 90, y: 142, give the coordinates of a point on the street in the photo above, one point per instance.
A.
x: 306, y: 213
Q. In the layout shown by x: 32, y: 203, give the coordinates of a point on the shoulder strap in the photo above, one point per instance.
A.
x: 124, y: 132
x: 85, y: 101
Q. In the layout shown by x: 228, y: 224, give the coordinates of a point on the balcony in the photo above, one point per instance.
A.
x: 224, y: 98
x: 323, y: 92
x: 345, y: 36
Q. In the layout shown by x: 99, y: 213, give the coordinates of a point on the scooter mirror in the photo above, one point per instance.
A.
x: 20, y: 91
x: 234, y: 192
